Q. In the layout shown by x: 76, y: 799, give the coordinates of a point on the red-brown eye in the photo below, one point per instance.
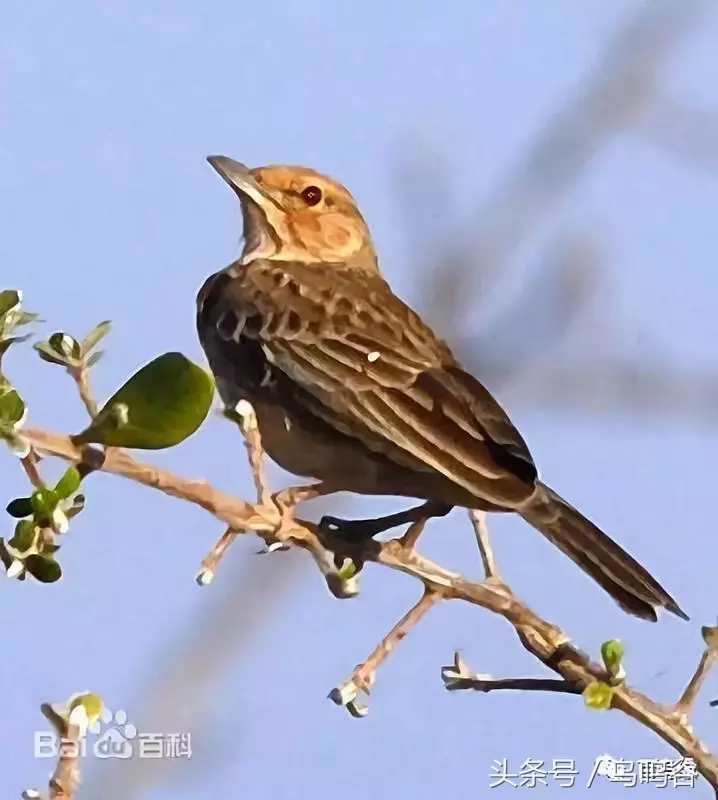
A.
x: 312, y: 195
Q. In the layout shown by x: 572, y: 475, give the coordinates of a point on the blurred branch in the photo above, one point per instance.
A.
x: 543, y: 640
x: 684, y: 132
x: 618, y: 387
x: 611, y: 101
x: 623, y: 95
x: 184, y: 677
x: 553, y: 299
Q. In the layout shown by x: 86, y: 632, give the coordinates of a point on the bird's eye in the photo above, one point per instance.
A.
x: 312, y: 195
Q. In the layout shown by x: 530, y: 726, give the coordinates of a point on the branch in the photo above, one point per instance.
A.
x: 708, y: 659
x: 364, y: 675
x: 481, y: 529
x: 70, y: 729
x: 543, y: 640
x: 81, y: 376
x: 458, y: 677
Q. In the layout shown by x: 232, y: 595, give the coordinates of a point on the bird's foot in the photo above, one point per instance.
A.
x: 353, y: 528
x: 286, y: 502
x: 368, y: 528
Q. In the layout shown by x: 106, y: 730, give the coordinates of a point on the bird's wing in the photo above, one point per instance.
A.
x: 375, y: 368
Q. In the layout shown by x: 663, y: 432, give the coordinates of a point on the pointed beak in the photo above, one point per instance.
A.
x: 239, y: 177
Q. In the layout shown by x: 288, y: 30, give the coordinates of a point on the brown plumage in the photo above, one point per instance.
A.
x: 353, y: 389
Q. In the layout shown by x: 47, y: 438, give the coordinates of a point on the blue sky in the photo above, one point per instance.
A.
x: 108, y: 210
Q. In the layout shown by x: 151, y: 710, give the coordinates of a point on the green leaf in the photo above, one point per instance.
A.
x: 92, y: 703
x: 19, y: 446
x: 598, y: 695
x: 43, y: 568
x: 6, y: 343
x: 9, y: 299
x: 68, y: 484
x: 25, y: 535
x: 612, y: 653
x: 95, y: 336
x: 78, y: 503
x: 25, y: 318
x: 11, y: 317
x: 160, y: 406
x: 65, y: 345
x: 12, y: 409
x: 46, y: 353
x: 94, y: 358
x: 20, y: 507
x: 5, y: 556
x: 43, y: 502
x: 348, y: 570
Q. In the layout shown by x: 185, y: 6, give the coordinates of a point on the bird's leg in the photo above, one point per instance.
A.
x: 368, y: 528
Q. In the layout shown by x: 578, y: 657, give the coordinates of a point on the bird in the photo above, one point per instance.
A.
x: 352, y: 389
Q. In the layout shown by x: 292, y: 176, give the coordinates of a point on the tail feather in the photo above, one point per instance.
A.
x: 630, y: 585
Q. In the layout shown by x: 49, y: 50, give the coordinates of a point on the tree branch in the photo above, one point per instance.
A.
x: 481, y: 529
x: 688, y: 698
x: 544, y: 641
x: 364, y: 675
x: 458, y: 677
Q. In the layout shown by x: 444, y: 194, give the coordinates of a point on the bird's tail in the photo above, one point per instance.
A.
x: 628, y: 583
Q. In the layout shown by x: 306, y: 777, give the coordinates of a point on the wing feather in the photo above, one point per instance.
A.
x: 373, y: 368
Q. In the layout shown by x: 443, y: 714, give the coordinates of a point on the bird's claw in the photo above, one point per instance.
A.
x: 351, y: 528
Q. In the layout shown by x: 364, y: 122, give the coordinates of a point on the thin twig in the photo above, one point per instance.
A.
x: 211, y: 561
x: 65, y: 779
x: 688, y: 698
x: 81, y: 376
x: 364, y: 675
x: 70, y: 731
x: 30, y: 465
x: 481, y: 529
x: 246, y: 418
x: 519, y: 684
x: 458, y: 677
x: 411, y: 537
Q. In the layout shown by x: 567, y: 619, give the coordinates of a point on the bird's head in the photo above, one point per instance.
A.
x: 297, y: 214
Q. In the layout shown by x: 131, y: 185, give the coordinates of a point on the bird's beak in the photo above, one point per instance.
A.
x: 239, y: 177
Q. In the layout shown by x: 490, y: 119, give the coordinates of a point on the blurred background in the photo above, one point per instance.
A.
x: 541, y: 180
